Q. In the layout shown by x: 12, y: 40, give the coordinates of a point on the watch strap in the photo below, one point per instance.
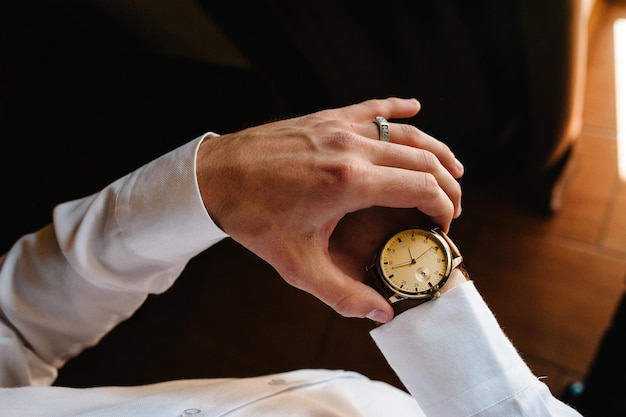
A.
x: 400, y: 304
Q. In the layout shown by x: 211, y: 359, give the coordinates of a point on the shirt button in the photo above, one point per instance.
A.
x: 191, y: 412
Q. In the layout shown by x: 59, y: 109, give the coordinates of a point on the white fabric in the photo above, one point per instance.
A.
x: 456, y: 341
x: 298, y: 393
x: 65, y: 286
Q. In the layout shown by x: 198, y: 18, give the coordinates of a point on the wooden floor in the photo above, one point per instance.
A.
x: 554, y: 282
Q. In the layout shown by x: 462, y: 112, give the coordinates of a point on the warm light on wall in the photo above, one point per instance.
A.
x: 619, y: 31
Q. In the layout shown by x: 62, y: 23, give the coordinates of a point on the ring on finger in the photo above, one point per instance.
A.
x: 383, y: 128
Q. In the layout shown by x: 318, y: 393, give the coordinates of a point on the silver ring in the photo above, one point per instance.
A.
x: 383, y: 128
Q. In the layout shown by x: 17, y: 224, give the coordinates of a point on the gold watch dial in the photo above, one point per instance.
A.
x: 415, y: 262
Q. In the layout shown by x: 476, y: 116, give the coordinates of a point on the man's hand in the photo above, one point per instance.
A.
x: 281, y: 189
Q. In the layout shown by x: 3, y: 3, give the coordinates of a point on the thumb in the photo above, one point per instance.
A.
x: 349, y: 296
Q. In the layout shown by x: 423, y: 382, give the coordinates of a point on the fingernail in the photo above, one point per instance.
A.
x: 459, y: 165
x: 378, y: 316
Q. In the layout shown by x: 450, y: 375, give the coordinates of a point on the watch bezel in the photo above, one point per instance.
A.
x: 430, y: 292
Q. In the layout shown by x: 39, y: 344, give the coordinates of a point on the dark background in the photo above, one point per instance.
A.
x: 92, y: 90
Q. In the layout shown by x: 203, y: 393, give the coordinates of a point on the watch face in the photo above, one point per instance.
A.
x: 415, y: 263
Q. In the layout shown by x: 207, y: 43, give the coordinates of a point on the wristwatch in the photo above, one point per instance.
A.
x: 413, y: 266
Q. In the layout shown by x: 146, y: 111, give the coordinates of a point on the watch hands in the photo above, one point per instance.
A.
x: 413, y: 259
x: 424, y: 253
x: 402, y: 264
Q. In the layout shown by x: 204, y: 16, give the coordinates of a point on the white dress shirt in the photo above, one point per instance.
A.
x: 64, y: 287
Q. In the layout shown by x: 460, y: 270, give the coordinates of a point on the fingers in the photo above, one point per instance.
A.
x: 390, y: 108
x: 403, y: 188
x: 412, y: 149
x: 408, y: 135
x: 418, y: 167
x: 422, y: 176
x: 365, y: 113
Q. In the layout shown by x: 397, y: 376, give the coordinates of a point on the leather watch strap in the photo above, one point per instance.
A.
x: 401, y: 304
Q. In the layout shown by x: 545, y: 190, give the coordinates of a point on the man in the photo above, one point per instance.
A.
x: 306, y: 195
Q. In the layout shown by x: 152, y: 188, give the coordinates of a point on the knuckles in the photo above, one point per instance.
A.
x: 341, y: 172
x: 343, y: 161
x: 429, y: 161
x: 340, y: 140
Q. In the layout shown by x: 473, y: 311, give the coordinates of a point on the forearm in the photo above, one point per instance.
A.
x: 68, y: 284
x: 455, y: 360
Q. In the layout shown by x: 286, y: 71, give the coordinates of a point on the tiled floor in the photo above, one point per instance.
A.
x: 554, y: 282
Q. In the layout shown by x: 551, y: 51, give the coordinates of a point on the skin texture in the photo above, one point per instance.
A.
x: 315, y: 195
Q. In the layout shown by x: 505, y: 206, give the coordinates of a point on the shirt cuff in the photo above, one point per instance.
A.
x: 160, y: 209
x: 452, y: 355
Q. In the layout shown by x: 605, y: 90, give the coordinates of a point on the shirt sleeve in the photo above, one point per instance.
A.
x: 65, y: 286
x: 454, y: 359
